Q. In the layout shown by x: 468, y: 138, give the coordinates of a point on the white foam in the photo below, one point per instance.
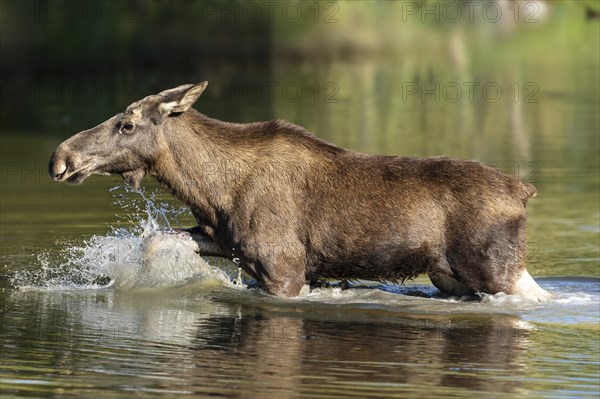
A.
x: 577, y: 298
x: 148, y: 255
x: 529, y: 289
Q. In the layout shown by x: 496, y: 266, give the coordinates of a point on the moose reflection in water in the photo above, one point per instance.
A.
x: 196, y: 345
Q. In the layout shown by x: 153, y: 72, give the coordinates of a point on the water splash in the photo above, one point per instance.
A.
x: 148, y: 254
x: 145, y: 211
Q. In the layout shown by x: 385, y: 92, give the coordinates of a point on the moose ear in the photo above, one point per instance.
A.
x: 181, y: 98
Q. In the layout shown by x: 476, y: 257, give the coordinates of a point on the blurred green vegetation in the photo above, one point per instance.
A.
x: 66, y: 64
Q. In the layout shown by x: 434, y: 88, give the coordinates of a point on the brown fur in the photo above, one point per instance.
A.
x: 293, y: 207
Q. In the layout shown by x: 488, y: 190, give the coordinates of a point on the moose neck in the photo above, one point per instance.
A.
x: 199, y: 163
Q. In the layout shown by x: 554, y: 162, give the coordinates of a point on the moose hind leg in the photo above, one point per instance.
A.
x: 444, y: 279
x: 493, y: 260
x: 450, y: 285
x: 487, y: 260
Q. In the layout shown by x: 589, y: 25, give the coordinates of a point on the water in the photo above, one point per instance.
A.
x: 98, y: 298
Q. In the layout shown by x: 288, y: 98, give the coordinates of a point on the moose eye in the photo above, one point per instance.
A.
x: 127, y: 128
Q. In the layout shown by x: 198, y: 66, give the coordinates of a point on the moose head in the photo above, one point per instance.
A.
x: 126, y: 144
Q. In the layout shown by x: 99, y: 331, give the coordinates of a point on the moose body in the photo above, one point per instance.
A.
x: 292, y: 207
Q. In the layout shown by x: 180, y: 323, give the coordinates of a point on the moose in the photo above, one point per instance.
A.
x: 291, y: 207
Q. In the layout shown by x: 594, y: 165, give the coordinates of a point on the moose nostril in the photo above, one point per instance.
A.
x: 57, y: 168
x: 61, y: 170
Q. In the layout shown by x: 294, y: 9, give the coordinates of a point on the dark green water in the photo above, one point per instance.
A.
x: 173, y: 325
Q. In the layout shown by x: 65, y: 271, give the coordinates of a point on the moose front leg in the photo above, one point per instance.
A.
x: 288, y: 285
x: 282, y: 272
x: 206, y: 245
